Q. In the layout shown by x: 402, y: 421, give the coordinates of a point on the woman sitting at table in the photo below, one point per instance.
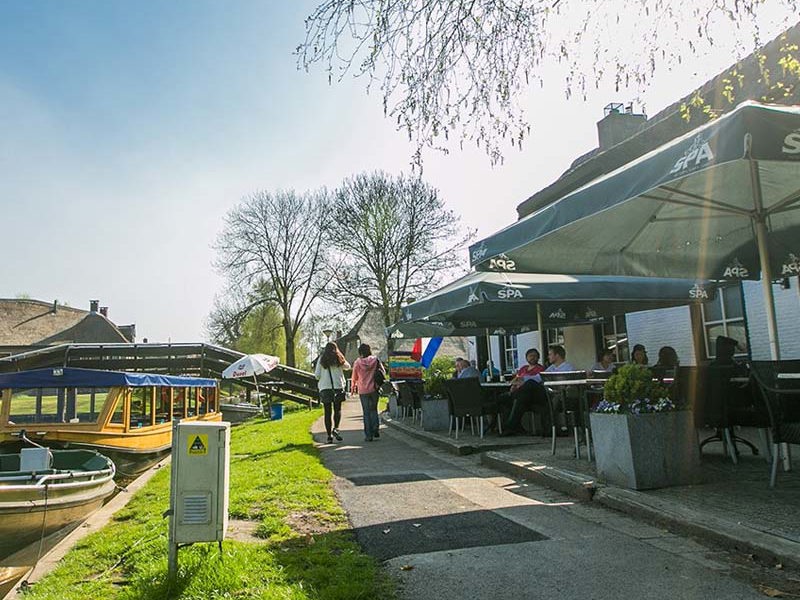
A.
x: 605, y: 361
x: 639, y: 355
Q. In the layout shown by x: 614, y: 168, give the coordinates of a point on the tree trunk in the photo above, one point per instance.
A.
x: 288, y: 331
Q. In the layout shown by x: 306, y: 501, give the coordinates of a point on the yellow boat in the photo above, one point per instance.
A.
x: 126, y: 416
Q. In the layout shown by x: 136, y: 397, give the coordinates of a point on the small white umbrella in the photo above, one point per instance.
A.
x: 251, y: 365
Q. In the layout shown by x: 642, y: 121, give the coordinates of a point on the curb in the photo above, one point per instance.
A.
x: 435, y: 439
x: 574, y: 484
x: 666, y: 513
x: 680, y: 518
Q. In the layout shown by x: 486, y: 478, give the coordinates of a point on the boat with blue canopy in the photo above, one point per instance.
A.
x: 124, y: 415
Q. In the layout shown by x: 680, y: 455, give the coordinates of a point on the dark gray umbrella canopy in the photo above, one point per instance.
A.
x: 511, y: 301
x: 722, y: 202
x: 686, y: 209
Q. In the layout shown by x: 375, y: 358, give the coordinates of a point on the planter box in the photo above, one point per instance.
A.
x: 647, y: 451
x: 435, y: 414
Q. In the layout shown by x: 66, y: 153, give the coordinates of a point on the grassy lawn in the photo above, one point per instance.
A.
x: 304, y: 550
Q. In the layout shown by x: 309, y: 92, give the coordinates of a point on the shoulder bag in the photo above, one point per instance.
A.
x: 338, y: 393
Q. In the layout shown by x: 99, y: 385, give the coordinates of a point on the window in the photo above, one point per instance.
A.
x: 554, y: 335
x: 141, y: 407
x: 119, y: 409
x: 163, y: 403
x: 178, y: 403
x: 614, y: 335
x: 192, y: 405
x: 724, y: 316
x: 510, y: 353
x: 208, y: 400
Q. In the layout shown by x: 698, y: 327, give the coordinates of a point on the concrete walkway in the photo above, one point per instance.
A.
x: 448, y: 526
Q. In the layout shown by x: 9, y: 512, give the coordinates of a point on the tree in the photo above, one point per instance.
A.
x: 272, y: 245
x: 396, y: 240
x: 456, y: 69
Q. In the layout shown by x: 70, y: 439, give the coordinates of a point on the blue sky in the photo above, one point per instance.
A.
x: 130, y: 128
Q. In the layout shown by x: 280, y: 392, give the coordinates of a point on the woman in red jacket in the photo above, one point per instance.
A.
x: 363, y: 381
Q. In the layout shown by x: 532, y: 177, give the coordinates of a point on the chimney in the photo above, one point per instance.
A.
x: 618, y: 124
x: 93, y: 304
x: 104, y: 311
x: 55, y: 306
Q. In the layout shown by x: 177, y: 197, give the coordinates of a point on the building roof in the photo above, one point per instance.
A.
x: 670, y: 122
x: 26, y: 322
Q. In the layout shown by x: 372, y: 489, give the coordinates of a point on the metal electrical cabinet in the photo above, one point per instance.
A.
x: 199, y: 482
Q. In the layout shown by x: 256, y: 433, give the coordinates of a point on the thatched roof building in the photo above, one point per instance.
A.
x: 32, y: 324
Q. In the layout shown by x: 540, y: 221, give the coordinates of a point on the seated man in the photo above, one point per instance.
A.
x: 467, y: 370
x: 531, y: 394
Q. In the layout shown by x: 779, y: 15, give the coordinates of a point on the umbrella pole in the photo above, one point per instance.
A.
x: 258, y: 397
x: 540, y: 325
x: 763, y: 254
x: 489, y: 350
x: 766, y: 283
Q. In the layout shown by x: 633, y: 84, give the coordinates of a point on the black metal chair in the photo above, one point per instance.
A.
x: 405, y: 399
x: 468, y: 400
x: 566, y: 400
x: 782, y: 399
x: 728, y: 404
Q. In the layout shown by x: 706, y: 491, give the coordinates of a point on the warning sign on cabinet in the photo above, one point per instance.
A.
x: 198, y: 444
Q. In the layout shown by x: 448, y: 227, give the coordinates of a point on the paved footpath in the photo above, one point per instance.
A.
x: 449, y: 528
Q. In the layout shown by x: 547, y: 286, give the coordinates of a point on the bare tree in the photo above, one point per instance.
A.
x: 458, y: 68
x: 397, y: 241
x: 272, y: 244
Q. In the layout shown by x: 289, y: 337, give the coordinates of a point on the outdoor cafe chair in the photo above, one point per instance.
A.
x: 405, y: 399
x: 782, y: 398
x: 467, y: 400
x: 562, y: 402
x: 728, y: 404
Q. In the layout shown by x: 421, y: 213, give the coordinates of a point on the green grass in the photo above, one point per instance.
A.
x: 277, y: 479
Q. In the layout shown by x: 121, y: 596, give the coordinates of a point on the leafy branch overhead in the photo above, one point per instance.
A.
x: 456, y: 71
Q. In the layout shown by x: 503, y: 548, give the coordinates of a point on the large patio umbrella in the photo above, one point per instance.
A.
x: 721, y: 202
x: 497, y: 303
x: 251, y: 365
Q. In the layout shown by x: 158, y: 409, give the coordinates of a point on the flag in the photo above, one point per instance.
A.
x: 416, y: 351
x: 430, y: 352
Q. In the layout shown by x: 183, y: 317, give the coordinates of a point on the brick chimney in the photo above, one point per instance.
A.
x: 618, y: 124
x: 93, y: 304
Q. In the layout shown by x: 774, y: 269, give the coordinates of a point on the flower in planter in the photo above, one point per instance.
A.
x: 631, y: 390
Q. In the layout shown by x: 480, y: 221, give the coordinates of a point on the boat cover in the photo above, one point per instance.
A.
x: 73, y: 377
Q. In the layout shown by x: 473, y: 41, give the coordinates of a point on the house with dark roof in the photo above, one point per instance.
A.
x: 370, y: 329
x: 27, y: 324
x: 623, y: 136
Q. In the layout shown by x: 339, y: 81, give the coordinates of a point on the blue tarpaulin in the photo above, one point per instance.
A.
x: 72, y: 377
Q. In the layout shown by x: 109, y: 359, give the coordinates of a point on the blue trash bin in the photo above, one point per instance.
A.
x: 276, y: 412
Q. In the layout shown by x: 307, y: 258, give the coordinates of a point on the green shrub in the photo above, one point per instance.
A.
x: 441, y: 369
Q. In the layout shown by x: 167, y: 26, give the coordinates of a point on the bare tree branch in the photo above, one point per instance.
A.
x: 455, y: 71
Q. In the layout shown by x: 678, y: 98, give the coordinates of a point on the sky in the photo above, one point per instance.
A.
x: 129, y: 129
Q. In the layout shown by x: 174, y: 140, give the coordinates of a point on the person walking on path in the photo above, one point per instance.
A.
x: 363, y: 382
x: 331, y: 384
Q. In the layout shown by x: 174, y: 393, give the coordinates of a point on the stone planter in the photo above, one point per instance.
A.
x: 646, y: 451
x: 435, y: 414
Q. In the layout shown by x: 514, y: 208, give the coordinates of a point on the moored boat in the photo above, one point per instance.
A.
x: 42, y: 490
x: 126, y: 416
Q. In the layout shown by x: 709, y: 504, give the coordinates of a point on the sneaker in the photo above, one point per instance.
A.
x: 330, y: 440
x: 337, y: 435
x: 368, y: 439
x: 377, y: 435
